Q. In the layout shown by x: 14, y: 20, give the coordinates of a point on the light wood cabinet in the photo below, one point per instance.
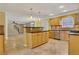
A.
x: 1, y: 44
x: 51, y: 34
x: 2, y: 18
x: 76, y: 22
x: 54, y: 21
x: 43, y: 38
x: 47, y: 36
x: 36, y: 39
x: 74, y: 45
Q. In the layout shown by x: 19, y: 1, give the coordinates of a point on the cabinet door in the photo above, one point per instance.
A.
x: 51, y: 34
x: 74, y: 45
x: 47, y: 36
x: 2, y: 18
x: 34, y: 40
x: 39, y: 37
x: 1, y: 45
x: 44, y: 37
x: 54, y: 21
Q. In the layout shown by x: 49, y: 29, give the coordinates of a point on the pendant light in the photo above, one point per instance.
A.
x: 39, y: 15
x: 31, y: 13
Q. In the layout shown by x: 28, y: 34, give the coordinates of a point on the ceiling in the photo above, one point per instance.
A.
x: 45, y: 8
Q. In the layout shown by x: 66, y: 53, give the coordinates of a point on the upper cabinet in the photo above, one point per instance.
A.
x: 77, y: 19
x: 54, y: 21
x: 68, y: 19
x: 2, y: 18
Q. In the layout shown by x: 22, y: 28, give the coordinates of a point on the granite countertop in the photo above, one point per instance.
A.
x: 71, y: 32
x: 37, y: 31
x: 46, y: 31
x: 59, y: 30
x: 33, y: 27
x: 74, y: 32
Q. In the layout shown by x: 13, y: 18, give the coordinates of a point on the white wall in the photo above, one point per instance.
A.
x: 45, y: 24
x: 13, y: 17
x: 20, y: 19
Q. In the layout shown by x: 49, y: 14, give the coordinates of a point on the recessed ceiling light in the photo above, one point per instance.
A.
x: 51, y: 14
x: 61, y: 6
x: 65, y: 10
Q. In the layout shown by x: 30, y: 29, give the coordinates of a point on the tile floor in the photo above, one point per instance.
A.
x: 53, y: 47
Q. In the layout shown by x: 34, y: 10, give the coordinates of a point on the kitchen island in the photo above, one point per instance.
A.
x: 34, y: 38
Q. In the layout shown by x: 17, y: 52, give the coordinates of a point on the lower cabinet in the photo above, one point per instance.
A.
x: 1, y: 45
x: 43, y: 37
x: 37, y: 39
x: 34, y: 40
x: 64, y: 35
x: 74, y: 45
x: 51, y: 34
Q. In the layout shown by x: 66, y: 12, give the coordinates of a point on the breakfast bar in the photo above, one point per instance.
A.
x: 35, y: 37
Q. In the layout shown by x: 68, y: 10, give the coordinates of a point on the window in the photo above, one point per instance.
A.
x: 67, y: 22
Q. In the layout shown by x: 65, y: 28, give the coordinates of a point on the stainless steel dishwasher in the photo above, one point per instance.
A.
x: 56, y: 32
